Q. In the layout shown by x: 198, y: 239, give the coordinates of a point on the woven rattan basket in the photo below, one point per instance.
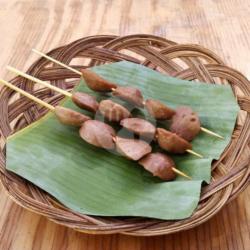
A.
x: 230, y: 173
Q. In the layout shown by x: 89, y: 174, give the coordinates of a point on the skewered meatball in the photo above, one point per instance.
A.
x: 98, y: 134
x: 139, y: 126
x: 70, y: 117
x: 185, y: 123
x: 113, y: 111
x: 85, y: 101
x: 132, y: 149
x: 172, y: 142
x: 187, y: 127
x: 159, y: 165
x: 129, y: 94
x: 158, y: 110
x: 97, y: 83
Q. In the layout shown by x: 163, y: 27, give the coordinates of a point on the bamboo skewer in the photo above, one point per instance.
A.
x: 34, y: 79
x: 211, y: 133
x: 28, y: 95
x: 194, y: 153
x: 205, y: 130
x: 177, y: 171
x: 57, y: 62
x: 52, y: 108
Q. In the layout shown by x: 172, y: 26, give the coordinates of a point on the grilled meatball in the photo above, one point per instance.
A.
x: 85, y: 101
x: 130, y: 94
x: 159, y: 165
x: 158, y: 110
x: 139, y: 127
x: 97, y: 83
x: 132, y: 149
x: 172, y: 142
x: 70, y: 117
x: 185, y: 123
x: 98, y: 134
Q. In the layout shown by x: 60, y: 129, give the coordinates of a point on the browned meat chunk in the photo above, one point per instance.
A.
x: 185, y: 123
x: 139, y: 126
x: 85, y: 101
x: 70, y: 117
x: 172, y: 142
x: 98, y: 134
x: 158, y: 110
x: 97, y: 83
x: 159, y: 165
x: 129, y: 94
x: 132, y: 148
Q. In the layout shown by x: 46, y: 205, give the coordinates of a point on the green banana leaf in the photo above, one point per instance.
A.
x: 98, y: 182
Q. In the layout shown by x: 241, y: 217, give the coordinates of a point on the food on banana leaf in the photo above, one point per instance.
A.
x: 97, y: 83
x: 70, y: 117
x: 130, y: 94
x: 185, y: 123
x: 171, y: 142
x: 159, y: 165
x: 158, y: 110
x: 133, y: 149
x: 139, y: 127
x: 85, y: 101
x: 98, y: 134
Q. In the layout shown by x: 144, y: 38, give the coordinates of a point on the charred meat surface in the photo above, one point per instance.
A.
x: 172, y: 142
x: 139, y: 127
x: 70, y: 117
x: 129, y: 94
x: 112, y: 111
x: 85, y: 101
x: 159, y: 165
x: 98, y: 134
x: 97, y: 83
x: 158, y: 110
x: 132, y: 149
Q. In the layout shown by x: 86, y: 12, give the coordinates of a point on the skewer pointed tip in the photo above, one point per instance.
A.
x: 177, y: 171
x: 194, y: 153
x: 211, y: 133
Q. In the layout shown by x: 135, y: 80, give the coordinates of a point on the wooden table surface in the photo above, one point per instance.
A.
x: 221, y: 25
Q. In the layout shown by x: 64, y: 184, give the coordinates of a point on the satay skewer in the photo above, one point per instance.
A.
x: 34, y: 79
x: 205, y: 130
x: 53, y: 109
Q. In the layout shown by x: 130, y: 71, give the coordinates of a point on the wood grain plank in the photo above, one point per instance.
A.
x: 222, y: 26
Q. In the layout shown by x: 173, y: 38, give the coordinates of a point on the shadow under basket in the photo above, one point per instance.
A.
x: 230, y: 174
